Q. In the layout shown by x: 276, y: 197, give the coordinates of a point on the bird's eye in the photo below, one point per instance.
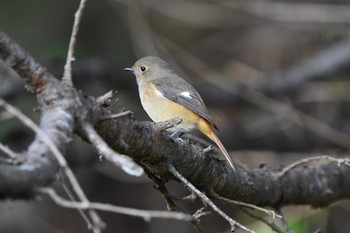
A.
x: 143, y: 68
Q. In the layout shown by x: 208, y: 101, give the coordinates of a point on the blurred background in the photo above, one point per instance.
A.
x: 274, y: 75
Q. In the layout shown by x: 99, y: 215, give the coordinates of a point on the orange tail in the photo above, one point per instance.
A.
x: 208, y: 129
x: 213, y: 137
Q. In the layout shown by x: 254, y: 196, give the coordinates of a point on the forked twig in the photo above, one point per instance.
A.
x: 207, y: 201
x: 106, y: 99
x: 272, y: 225
x: 247, y: 205
x: 345, y: 161
x: 98, y: 224
x: 171, y: 205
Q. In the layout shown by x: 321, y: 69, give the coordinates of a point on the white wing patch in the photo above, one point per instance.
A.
x: 186, y: 94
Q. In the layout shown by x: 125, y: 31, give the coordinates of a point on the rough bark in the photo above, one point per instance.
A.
x: 39, y: 167
x: 317, y: 185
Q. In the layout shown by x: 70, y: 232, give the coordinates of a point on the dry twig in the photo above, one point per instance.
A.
x: 247, y: 205
x: 207, y: 201
x: 10, y: 153
x: 147, y: 215
x: 345, y: 161
x: 272, y: 225
x: 67, y: 76
x: 105, y: 100
x: 171, y: 205
x: 98, y: 224
x: 117, y: 115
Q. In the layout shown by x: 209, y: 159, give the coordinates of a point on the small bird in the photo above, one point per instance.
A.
x: 165, y: 95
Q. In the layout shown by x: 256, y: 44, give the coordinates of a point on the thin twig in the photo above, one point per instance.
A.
x: 67, y: 78
x: 67, y: 75
x: 98, y: 224
x: 147, y: 215
x: 171, y: 205
x: 207, y: 201
x: 272, y: 225
x: 71, y: 197
x: 10, y: 153
x: 119, y: 160
x: 160, y: 186
x: 13, y: 158
x: 197, y: 215
x: 105, y: 99
x: 254, y: 207
x: 207, y: 149
x: 200, y: 213
x: 345, y: 161
x: 116, y: 116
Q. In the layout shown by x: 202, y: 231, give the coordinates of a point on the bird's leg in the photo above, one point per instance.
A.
x: 177, y: 133
x: 164, y: 125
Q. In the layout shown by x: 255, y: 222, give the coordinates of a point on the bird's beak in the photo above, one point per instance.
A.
x: 129, y: 69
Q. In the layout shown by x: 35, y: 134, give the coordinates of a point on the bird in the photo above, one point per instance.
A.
x: 165, y: 95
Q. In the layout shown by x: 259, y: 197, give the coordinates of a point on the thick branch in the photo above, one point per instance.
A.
x: 57, y: 121
x: 38, y: 165
x: 25, y: 66
x: 60, y: 104
x: 318, y: 185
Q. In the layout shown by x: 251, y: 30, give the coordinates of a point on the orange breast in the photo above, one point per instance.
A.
x: 159, y: 108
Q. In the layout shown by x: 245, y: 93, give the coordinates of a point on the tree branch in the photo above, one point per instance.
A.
x: 59, y: 105
x: 261, y: 187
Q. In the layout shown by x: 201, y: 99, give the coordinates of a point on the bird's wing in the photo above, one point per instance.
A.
x: 180, y: 91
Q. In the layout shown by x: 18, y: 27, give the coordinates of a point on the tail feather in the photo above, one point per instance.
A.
x: 213, y: 137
